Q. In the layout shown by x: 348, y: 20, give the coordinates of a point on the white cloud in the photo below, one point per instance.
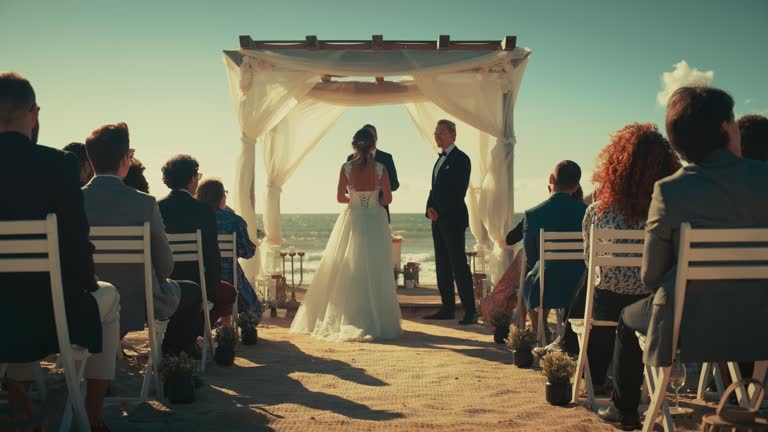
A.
x: 682, y: 75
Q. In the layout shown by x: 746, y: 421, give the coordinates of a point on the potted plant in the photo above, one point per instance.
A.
x: 247, y: 322
x: 409, y: 276
x: 520, y: 342
x: 225, y: 338
x: 558, y: 367
x: 177, y: 376
x: 500, y: 322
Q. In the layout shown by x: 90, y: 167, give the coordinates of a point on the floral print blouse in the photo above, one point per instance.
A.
x: 621, y: 280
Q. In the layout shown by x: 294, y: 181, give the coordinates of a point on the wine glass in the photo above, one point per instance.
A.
x: 677, y: 380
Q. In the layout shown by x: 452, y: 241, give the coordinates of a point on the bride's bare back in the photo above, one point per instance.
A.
x: 363, y: 177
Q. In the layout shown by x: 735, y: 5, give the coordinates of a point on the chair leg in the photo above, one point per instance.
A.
x: 74, y: 408
x: 706, y: 371
x: 657, y: 380
x: 207, y: 338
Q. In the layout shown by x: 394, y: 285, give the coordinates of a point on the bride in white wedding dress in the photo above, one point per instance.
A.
x: 353, y: 294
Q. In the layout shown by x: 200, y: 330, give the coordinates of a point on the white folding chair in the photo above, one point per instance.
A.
x: 709, y: 371
x: 189, y: 248
x: 228, y: 249
x: 556, y: 246
x: 604, y: 244
x: 132, y: 245
x: 26, y: 260
x: 697, y: 247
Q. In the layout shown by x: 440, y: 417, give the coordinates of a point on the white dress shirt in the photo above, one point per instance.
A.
x: 441, y: 160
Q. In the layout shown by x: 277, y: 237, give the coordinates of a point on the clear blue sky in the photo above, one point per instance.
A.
x: 157, y: 65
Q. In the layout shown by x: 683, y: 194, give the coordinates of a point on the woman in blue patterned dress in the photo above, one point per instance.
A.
x: 211, y: 191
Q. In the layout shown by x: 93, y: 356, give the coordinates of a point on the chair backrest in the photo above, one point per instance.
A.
x: 126, y: 245
x: 604, y: 245
x: 228, y: 249
x: 25, y: 258
x: 719, y: 254
x: 554, y: 245
x: 189, y: 248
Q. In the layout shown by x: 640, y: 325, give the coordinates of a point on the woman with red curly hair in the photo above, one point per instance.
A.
x: 627, y: 168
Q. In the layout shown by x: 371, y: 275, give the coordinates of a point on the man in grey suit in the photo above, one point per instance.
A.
x: 109, y: 202
x: 718, y: 189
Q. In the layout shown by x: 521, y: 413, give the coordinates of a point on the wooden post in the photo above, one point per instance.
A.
x: 443, y: 42
x: 379, y: 80
x: 245, y: 41
x: 509, y: 43
x: 377, y: 42
x: 311, y: 41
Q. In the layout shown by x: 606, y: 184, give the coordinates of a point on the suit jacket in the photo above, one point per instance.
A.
x: 109, y: 202
x: 182, y: 214
x: 561, y: 212
x: 40, y: 180
x: 385, y: 159
x: 724, y: 191
x: 449, y: 188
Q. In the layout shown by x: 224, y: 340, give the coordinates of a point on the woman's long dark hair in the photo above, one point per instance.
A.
x: 363, y: 142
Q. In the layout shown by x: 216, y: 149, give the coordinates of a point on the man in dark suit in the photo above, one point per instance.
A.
x: 110, y: 202
x: 42, y: 180
x: 182, y: 213
x: 448, y: 212
x: 385, y: 159
x: 560, y: 212
x: 717, y: 189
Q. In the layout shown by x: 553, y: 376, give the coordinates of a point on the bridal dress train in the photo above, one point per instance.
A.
x: 353, y: 294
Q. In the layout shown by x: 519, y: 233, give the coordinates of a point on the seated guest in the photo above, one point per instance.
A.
x: 86, y: 171
x: 135, y: 177
x: 754, y: 137
x: 211, y: 191
x: 628, y: 167
x: 182, y: 213
x: 718, y: 189
x: 48, y: 181
x: 561, y: 212
x: 109, y: 202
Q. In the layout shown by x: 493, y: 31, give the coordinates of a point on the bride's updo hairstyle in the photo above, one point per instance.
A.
x: 363, y: 142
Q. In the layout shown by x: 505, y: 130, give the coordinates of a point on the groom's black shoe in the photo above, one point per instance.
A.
x: 469, y: 318
x: 442, y: 314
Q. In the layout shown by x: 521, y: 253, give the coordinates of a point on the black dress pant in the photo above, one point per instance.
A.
x: 184, y: 324
x: 627, y: 355
x: 451, y: 266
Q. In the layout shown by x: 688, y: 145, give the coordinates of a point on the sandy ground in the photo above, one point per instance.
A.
x: 438, y: 376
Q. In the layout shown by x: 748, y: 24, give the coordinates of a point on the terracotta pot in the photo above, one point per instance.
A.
x: 559, y: 393
x: 523, y: 358
x: 180, y: 389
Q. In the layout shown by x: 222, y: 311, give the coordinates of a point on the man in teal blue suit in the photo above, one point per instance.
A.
x: 561, y: 212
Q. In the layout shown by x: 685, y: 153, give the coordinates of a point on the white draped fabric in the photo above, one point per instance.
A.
x: 277, y: 96
x: 285, y: 147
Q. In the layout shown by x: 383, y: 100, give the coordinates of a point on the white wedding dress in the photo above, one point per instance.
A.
x: 353, y: 294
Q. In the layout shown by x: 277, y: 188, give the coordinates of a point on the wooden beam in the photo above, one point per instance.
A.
x: 443, y: 42
x: 377, y: 42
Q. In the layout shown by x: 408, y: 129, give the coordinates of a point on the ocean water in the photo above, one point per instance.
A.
x: 310, y: 232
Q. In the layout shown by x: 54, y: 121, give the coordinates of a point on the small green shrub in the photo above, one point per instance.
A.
x: 558, y: 367
x: 521, y: 339
x: 181, y: 366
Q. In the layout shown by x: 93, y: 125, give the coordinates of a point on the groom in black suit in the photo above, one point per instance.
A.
x: 448, y: 212
x: 383, y: 158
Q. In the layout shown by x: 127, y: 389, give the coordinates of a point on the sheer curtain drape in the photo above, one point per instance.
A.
x: 261, y: 97
x: 285, y: 148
